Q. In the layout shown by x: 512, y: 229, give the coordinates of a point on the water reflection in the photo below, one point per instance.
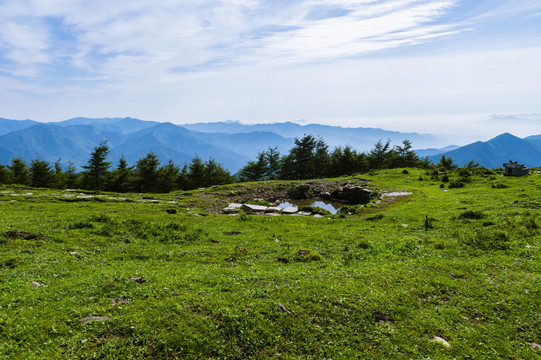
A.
x: 330, y: 206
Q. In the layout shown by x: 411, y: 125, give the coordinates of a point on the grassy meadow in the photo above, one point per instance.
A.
x: 443, y: 273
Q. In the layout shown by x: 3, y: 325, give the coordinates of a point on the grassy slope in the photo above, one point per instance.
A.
x: 380, y: 290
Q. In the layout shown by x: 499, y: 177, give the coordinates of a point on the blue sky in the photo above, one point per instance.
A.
x: 440, y: 66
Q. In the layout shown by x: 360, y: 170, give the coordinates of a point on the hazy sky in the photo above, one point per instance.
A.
x: 417, y: 65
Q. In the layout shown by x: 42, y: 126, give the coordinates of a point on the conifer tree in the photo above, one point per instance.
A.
x: 97, y: 167
x: 19, y: 172
x: 41, y: 174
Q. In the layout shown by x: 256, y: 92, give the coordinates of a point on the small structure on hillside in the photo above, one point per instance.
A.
x: 513, y: 168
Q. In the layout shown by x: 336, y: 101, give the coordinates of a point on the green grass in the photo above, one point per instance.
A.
x: 375, y: 284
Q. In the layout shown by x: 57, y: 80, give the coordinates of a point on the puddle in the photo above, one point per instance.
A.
x: 332, y: 207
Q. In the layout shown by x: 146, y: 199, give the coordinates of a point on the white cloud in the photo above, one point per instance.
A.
x: 264, y: 60
x: 122, y: 36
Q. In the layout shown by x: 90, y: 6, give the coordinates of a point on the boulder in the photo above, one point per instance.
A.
x: 352, y: 194
x: 300, y: 192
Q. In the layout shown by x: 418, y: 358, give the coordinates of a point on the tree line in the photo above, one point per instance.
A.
x: 309, y: 158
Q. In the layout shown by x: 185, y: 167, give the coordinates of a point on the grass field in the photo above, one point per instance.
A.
x: 165, y: 278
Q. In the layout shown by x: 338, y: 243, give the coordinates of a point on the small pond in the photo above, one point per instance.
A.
x: 331, y: 206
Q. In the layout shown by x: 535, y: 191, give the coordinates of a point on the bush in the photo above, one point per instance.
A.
x: 472, y: 215
x: 308, y: 255
x: 349, y: 209
x: 489, y: 240
x: 456, y: 185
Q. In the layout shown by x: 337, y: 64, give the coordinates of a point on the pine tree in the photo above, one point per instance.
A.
x: 146, y: 173
x: 97, y: 167
x: 121, y: 179
x: 272, y: 158
x: 168, y: 177
x: 19, y: 172
x: 215, y: 174
x: 41, y: 174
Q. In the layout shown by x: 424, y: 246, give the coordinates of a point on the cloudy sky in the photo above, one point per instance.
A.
x: 418, y: 65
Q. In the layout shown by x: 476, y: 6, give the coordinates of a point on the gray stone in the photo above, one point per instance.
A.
x: 290, y: 210
x: 88, y: 319
x: 255, y: 207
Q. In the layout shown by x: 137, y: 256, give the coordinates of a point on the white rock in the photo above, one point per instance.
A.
x: 255, y: 207
x: 441, y: 341
x: 290, y: 210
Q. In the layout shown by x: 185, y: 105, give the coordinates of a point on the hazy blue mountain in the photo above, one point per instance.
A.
x: 7, y: 125
x: 433, y: 151
x: 362, y: 139
x: 126, y: 125
x: 169, y: 141
x: 495, y: 152
x: 535, y: 140
x: 250, y: 143
x: 73, y: 140
x: 52, y: 142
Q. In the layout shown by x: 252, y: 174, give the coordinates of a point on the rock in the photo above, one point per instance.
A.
x: 138, y: 280
x: 118, y: 301
x: 251, y: 207
x: 283, y: 309
x: 232, y: 207
x: 36, y: 284
x: 300, y: 192
x: 325, y: 195
x: 352, y: 194
x: 290, y: 210
x: 395, y: 194
x: 88, y: 319
x: 535, y: 346
x: 441, y: 341
x: 318, y: 216
x: 304, y: 213
x: 75, y: 253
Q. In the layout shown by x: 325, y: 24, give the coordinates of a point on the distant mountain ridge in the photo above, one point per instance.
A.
x: 230, y: 143
x: 495, y: 152
x: 361, y: 139
x: 74, y: 139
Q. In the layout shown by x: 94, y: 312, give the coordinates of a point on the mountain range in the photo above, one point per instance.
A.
x: 493, y: 153
x: 230, y: 143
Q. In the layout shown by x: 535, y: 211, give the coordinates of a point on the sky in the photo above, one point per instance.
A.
x: 455, y: 67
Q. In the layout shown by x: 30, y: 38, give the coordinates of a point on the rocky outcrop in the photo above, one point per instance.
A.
x: 352, y: 194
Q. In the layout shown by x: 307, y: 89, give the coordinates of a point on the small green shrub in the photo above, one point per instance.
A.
x: 472, y: 215
x: 488, y: 240
x: 364, y: 244
x: 308, y: 255
x: 81, y: 225
x: 456, y: 185
x: 375, y: 217
x: 349, y: 209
